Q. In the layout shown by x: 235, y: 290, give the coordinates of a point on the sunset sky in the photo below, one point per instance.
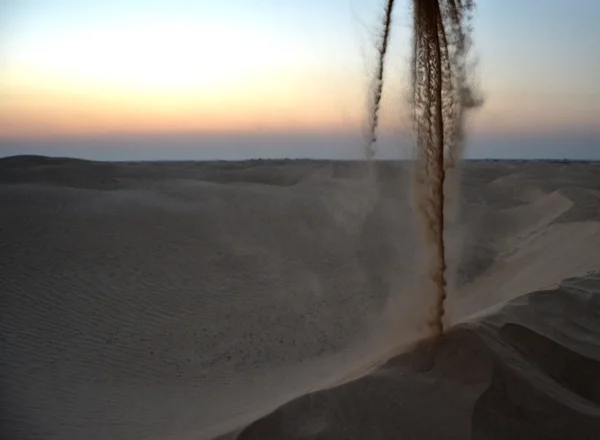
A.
x: 89, y: 67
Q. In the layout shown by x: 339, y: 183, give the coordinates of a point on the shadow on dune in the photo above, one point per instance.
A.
x: 508, y: 376
x: 555, y: 394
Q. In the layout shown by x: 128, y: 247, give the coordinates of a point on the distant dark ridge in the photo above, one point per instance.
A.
x: 38, y: 160
x: 33, y: 159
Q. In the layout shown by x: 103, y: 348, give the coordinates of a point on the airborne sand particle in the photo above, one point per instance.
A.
x: 377, y: 86
x: 440, y: 96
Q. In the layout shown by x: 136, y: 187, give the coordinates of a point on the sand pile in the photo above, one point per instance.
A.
x: 526, y: 371
x: 190, y: 300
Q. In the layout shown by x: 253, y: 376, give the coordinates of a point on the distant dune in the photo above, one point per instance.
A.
x: 280, y: 300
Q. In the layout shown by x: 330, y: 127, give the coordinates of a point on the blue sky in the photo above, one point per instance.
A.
x: 87, y: 68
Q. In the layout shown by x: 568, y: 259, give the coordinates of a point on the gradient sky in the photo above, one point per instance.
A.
x: 84, y: 67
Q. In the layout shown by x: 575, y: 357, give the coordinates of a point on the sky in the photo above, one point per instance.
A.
x: 165, y: 79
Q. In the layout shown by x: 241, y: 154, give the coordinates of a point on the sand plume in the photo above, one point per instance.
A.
x: 377, y: 85
x: 439, y: 100
x: 440, y: 96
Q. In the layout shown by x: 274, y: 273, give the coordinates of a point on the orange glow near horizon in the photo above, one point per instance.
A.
x: 147, y: 80
x: 38, y: 105
x: 171, y: 76
x: 77, y: 68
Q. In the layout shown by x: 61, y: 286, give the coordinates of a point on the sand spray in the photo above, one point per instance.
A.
x: 440, y: 96
x: 377, y: 85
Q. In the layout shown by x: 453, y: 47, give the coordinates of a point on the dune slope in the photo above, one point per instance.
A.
x: 192, y: 300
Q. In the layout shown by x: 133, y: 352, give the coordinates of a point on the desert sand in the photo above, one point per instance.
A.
x: 282, y: 300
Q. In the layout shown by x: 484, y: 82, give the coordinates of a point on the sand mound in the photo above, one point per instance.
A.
x: 527, y: 371
x: 166, y: 301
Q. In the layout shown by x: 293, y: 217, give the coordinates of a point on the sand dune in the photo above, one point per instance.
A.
x: 527, y: 371
x: 264, y: 299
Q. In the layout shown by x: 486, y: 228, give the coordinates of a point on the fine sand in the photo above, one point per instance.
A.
x: 283, y: 300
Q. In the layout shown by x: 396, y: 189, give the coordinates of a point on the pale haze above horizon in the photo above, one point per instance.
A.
x: 133, y: 79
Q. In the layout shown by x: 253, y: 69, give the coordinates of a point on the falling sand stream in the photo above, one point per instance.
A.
x: 440, y: 96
